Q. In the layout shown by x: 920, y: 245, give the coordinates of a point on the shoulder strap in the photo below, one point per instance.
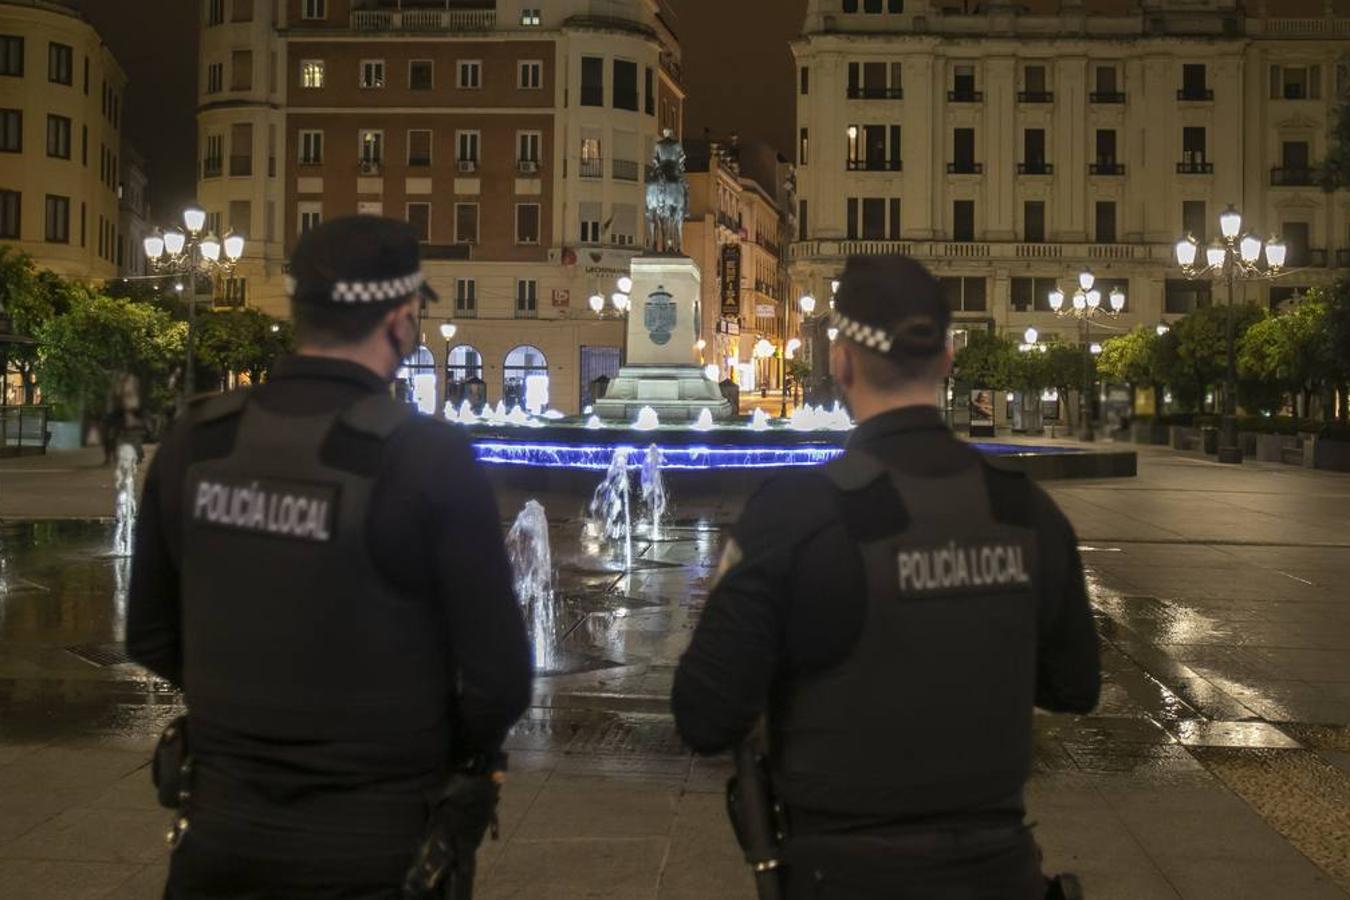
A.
x: 219, y: 406
x: 854, y: 470
x: 378, y: 415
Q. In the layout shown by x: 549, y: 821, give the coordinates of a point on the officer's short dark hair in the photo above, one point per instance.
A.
x: 888, y: 373
x: 329, y: 325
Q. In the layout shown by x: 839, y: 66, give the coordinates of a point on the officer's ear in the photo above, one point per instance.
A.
x: 842, y: 364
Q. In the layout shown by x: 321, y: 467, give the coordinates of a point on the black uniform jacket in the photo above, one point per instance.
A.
x: 793, y: 599
x: 433, y: 532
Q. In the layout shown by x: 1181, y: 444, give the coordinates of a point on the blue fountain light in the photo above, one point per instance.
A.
x: 598, y: 457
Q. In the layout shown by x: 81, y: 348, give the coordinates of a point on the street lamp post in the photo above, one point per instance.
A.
x: 188, y: 252
x: 448, y: 331
x: 1087, y: 304
x: 1232, y: 256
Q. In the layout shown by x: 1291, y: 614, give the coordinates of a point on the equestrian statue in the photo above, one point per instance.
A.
x: 667, y: 196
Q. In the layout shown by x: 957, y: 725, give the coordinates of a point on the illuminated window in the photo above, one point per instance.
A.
x: 311, y: 73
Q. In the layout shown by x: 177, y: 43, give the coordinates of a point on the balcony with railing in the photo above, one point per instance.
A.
x: 626, y: 169
x: 1035, y: 168
x: 875, y: 165
x: 423, y: 20
x: 591, y: 167
x: 212, y: 167
x: 371, y: 165
x: 1195, y: 167
x: 965, y: 95
x: 1195, y: 95
x: 1106, y: 168
x: 1035, y: 96
x: 876, y: 93
x: 1106, y: 97
x: 241, y: 165
x: 1068, y: 253
x: 729, y: 222
x: 1292, y: 176
x: 965, y: 168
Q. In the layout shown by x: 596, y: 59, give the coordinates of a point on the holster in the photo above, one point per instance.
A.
x: 171, y: 766
x: 757, y: 819
x: 444, y: 865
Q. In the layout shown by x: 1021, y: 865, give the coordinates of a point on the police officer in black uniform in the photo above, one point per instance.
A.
x: 321, y: 570
x: 897, y: 614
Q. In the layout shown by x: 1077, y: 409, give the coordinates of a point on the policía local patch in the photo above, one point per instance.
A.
x: 286, y: 509
x: 960, y: 567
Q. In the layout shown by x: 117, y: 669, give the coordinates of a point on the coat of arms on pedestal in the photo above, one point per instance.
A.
x: 658, y: 316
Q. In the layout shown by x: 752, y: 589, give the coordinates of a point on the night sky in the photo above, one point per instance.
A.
x: 737, y: 68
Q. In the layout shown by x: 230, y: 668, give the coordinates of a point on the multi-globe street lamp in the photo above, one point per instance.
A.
x: 188, y: 252
x: 1086, y: 305
x: 1229, y: 257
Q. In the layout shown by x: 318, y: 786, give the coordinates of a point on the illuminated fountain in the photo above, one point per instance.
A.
x: 654, y: 489
x: 527, y: 547
x: 611, y: 517
x: 124, y: 508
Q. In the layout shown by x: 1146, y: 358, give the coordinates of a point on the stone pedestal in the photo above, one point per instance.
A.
x: 662, y: 369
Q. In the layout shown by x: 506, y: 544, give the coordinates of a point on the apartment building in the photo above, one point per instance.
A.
x: 61, y: 103
x: 1012, y: 147
x: 513, y: 138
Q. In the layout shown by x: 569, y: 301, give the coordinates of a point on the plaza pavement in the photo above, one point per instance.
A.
x: 1216, y: 768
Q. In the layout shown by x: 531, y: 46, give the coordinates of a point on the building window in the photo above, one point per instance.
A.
x: 1295, y: 82
x: 650, y: 93
x: 215, y: 12
x: 311, y: 73
x: 11, y: 55
x: 466, y: 223
x: 1033, y: 221
x: 803, y: 145
x: 11, y: 131
x: 1034, y: 89
x: 527, y: 297
x: 243, y: 11
x: 421, y: 75
x: 1031, y: 294
x: 527, y: 150
x: 469, y: 74
x: 623, y: 225
x: 592, y: 166
x: 802, y: 230
x: 1106, y: 221
x: 1106, y: 154
x: 592, y: 81
x: 1297, y: 237
x: 309, y: 216
x: 372, y: 73
x: 1195, y: 221
x: 371, y: 150
x: 524, y: 373
x: 531, y: 17
x: 58, y: 219
x: 963, y: 86
x: 804, y: 80
x: 1183, y: 296
x: 965, y: 294
x: 58, y: 137
x: 241, y: 216
x: 875, y: 81
x: 530, y: 75
x: 466, y: 296
x: 311, y: 148
x: 314, y: 9
x: 1107, y: 86
x: 419, y: 217
x: 1193, y: 152
x: 1193, y: 85
x: 1033, y: 153
x: 241, y: 149
x: 963, y: 152
x: 419, y: 147
x: 625, y: 85
x: 60, y: 64
x: 11, y: 208
x: 590, y: 230
x: 527, y: 223
x: 241, y: 70
x: 963, y: 220
x: 466, y: 150
x: 215, y: 78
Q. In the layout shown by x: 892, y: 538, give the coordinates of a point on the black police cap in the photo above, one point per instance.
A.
x: 893, y: 305
x: 358, y: 261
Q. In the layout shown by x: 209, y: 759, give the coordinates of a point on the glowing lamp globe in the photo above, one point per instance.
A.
x: 1214, y: 255
x: 620, y: 301
x: 1275, y: 253
x: 210, y: 247
x: 1162, y: 329
x: 1250, y: 249
x: 174, y: 241
x: 194, y: 218
x: 700, y: 345
x: 1095, y: 349
x: 597, y: 303
x: 763, y: 348
x: 1186, y: 252
x: 1230, y: 223
x: 1031, y: 335
x: 808, y: 304
x: 448, y: 330
x: 234, y: 246
x: 625, y: 285
x: 1056, y: 300
x: 1086, y: 279
x: 834, y: 286
x: 154, y: 246
x: 832, y: 333
x: 1117, y: 299
x: 1094, y: 299
x: 1080, y: 300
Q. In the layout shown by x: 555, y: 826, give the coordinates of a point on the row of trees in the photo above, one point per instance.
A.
x: 1294, y: 361
x: 85, y: 338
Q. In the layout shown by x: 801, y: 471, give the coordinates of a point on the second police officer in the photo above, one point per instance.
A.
x: 896, y: 615
x: 322, y: 572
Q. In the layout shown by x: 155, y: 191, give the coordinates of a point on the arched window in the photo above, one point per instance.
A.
x: 417, y: 379
x: 462, y: 365
x: 525, y: 379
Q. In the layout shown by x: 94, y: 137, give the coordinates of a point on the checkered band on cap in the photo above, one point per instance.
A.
x: 377, y: 291
x: 869, y: 336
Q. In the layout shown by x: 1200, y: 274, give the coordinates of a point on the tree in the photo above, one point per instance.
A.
x: 1129, y: 358
x: 241, y: 341
x: 100, y: 338
x: 985, y: 361
x: 31, y: 298
x: 1297, y: 353
x: 1197, y: 354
